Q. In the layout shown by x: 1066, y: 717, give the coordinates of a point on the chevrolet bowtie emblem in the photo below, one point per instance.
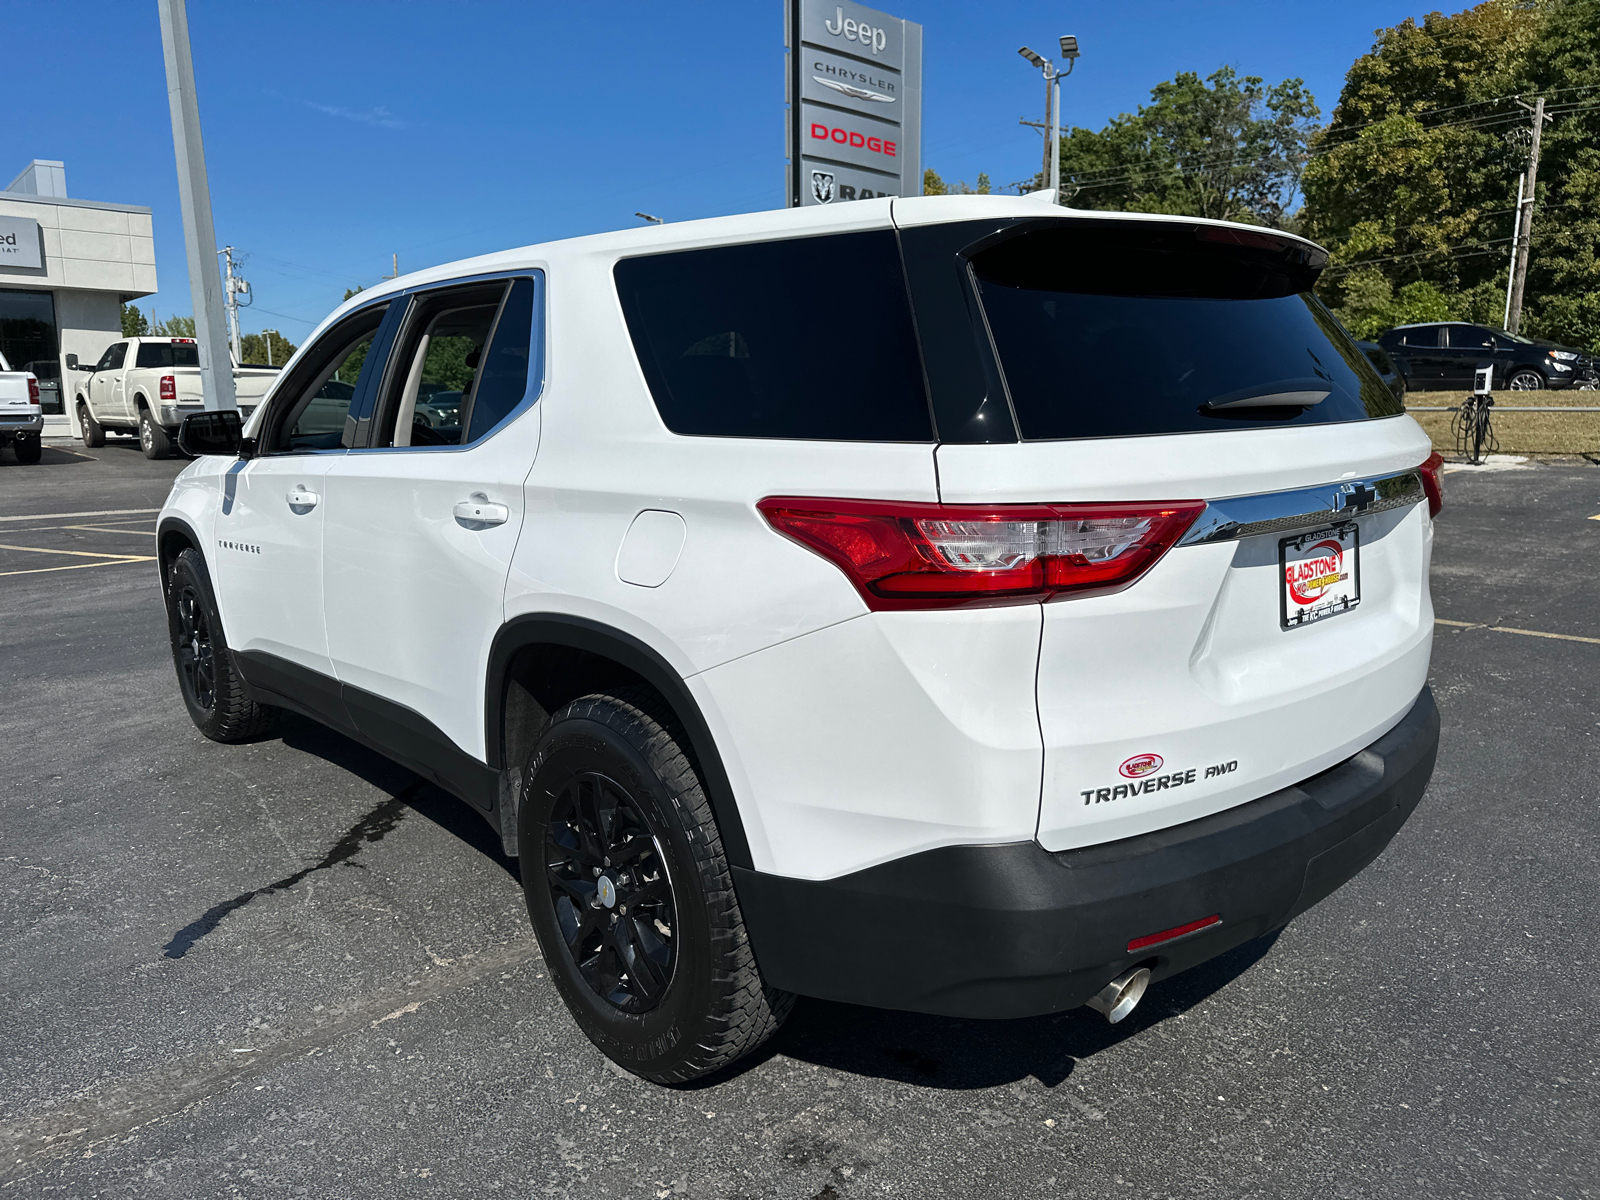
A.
x: 1354, y: 497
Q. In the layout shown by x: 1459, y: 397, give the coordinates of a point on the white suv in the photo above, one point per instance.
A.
x: 962, y: 605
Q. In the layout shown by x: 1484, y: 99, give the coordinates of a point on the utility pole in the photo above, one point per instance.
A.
x: 233, y: 287
x: 1524, y: 237
x: 194, y: 195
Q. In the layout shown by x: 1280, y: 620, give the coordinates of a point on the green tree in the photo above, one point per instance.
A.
x: 1413, y: 178
x: 1224, y: 147
x: 267, y: 347
x: 172, y: 327
x: 932, y: 185
x: 134, y: 322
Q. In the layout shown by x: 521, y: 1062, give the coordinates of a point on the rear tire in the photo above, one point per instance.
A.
x: 28, y: 447
x: 212, y: 691
x: 93, y: 435
x: 614, y: 816
x: 153, y: 439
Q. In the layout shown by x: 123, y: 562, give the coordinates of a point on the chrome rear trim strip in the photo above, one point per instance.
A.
x: 1305, y: 508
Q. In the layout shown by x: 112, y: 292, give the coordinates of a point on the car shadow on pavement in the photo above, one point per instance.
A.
x: 947, y: 1053
x: 60, y: 456
x: 433, y: 803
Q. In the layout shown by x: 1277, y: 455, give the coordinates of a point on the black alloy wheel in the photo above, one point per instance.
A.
x: 219, y: 704
x: 611, y: 892
x: 631, y: 895
x: 193, y: 650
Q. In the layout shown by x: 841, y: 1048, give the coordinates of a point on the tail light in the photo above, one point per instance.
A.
x: 33, y: 390
x: 952, y: 555
x: 169, y: 387
x: 1432, y: 473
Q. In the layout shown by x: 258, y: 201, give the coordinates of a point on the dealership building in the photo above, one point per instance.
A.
x: 66, y: 268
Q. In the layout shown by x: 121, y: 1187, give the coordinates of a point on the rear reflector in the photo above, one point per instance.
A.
x: 1432, y: 472
x: 169, y: 387
x: 903, y: 556
x: 1166, y: 935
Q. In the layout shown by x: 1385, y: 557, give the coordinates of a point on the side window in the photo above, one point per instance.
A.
x: 111, y: 360
x: 1426, y: 338
x: 465, y: 361
x: 309, y: 409
x: 802, y: 338
x: 1469, y: 337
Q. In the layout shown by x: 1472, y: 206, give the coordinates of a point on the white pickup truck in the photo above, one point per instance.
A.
x: 146, y: 386
x: 21, y: 417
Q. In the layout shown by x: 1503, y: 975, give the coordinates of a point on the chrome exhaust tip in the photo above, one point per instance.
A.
x: 1119, y: 997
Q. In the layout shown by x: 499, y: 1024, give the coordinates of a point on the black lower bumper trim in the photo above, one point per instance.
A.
x: 1014, y: 930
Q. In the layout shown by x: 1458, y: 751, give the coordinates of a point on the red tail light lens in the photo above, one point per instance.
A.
x: 951, y: 555
x: 1432, y: 473
x: 33, y: 390
x: 169, y: 388
x: 1178, y: 931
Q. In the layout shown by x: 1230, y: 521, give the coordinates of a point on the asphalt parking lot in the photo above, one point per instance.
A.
x: 291, y: 968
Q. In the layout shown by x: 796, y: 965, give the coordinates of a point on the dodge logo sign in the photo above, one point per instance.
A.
x: 822, y: 186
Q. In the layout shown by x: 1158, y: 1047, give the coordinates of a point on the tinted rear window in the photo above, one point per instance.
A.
x: 168, y: 354
x: 807, y: 338
x: 1115, y: 329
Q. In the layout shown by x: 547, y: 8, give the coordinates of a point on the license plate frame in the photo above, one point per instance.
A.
x: 1334, y: 575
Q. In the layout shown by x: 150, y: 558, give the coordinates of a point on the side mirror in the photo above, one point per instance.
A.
x: 219, y: 432
x: 72, y: 362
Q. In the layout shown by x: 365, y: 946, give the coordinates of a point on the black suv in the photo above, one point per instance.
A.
x: 1445, y: 354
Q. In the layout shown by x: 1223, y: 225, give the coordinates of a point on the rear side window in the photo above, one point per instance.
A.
x: 1114, y: 329
x: 168, y: 354
x: 808, y: 338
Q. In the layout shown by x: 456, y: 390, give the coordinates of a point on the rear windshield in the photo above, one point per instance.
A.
x: 168, y: 354
x: 806, y: 338
x: 1112, y: 329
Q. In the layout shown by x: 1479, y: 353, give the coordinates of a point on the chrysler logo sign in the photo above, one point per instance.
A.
x: 855, y: 93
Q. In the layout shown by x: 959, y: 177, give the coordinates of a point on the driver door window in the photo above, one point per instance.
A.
x: 316, y: 404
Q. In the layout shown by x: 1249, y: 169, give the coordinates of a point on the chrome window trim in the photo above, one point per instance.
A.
x: 1303, y: 508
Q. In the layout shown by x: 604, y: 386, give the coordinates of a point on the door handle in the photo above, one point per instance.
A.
x: 477, y: 510
x: 302, y: 497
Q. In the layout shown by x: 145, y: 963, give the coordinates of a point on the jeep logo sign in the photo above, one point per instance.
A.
x: 19, y: 243
x: 855, y: 103
x: 872, y: 36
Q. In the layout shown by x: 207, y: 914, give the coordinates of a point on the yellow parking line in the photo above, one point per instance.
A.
x: 132, y: 558
x: 1560, y: 637
x: 102, y: 529
x: 74, y: 553
x: 99, y: 512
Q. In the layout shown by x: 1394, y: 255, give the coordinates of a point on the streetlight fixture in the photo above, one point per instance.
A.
x: 648, y: 217
x: 1052, y: 104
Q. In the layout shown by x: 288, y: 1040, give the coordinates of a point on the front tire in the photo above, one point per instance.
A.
x: 1525, y: 379
x: 153, y: 439
x: 630, y: 893
x: 212, y: 691
x: 93, y: 435
x: 29, y: 448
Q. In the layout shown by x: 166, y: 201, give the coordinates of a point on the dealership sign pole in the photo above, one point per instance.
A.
x: 194, y: 194
x: 854, y: 93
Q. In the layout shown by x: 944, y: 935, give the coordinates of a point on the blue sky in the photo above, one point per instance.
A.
x: 340, y: 133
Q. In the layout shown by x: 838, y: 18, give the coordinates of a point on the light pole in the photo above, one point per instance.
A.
x: 1052, y: 105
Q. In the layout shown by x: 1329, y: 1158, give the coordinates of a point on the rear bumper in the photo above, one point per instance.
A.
x: 18, y: 424
x: 1014, y: 930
